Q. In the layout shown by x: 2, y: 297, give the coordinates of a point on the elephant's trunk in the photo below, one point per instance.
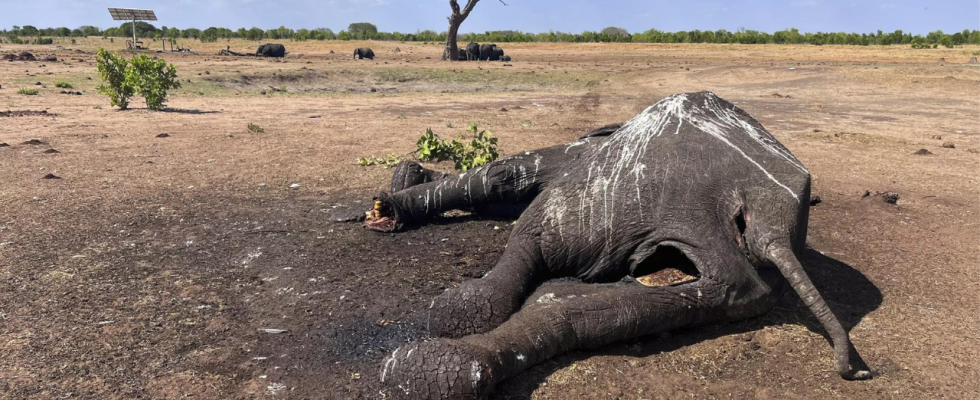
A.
x: 781, y: 254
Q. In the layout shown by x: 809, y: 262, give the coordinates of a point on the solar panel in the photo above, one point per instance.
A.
x: 130, y: 14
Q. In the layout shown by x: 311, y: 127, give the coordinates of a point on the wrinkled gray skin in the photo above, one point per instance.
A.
x: 473, y: 51
x: 363, y: 52
x: 693, y: 181
x: 486, y: 51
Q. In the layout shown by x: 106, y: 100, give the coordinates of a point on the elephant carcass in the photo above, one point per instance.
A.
x: 472, y: 51
x: 271, y: 50
x: 690, y: 213
x: 363, y: 52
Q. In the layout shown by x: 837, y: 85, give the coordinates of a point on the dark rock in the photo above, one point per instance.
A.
x: 51, y: 151
x: 890, y: 197
x: 923, y: 152
x: 51, y: 176
x: 163, y: 135
x: 814, y: 200
x: 35, y: 142
x: 949, y: 145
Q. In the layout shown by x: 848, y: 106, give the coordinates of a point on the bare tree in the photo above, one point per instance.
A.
x: 455, y: 20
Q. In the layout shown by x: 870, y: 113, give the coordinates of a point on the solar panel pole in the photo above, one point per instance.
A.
x: 134, y: 31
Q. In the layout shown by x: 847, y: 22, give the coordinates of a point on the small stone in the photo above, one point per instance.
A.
x: 163, y: 135
x: 51, y: 151
x: 51, y: 176
x: 814, y: 200
x: 949, y: 145
x: 923, y: 152
x: 295, y: 186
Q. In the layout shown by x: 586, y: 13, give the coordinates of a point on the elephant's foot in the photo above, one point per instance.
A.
x: 439, y: 369
x: 410, y: 173
x: 473, y: 307
x: 384, y: 217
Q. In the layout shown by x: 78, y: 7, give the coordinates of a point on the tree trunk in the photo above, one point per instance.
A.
x: 452, y: 49
x: 456, y: 19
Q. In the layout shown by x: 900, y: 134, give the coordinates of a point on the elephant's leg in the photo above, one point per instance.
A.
x: 470, y: 367
x: 411, y: 173
x: 512, y: 181
x: 479, y: 305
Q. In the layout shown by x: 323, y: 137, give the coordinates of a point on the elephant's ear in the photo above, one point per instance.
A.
x: 603, y: 131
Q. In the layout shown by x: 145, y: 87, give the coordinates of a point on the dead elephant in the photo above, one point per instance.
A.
x: 363, y: 52
x: 271, y: 50
x: 690, y: 213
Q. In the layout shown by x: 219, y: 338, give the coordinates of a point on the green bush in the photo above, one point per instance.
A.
x: 431, y: 147
x: 44, y: 41
x: 152, y: 79
x: 142, y: 75
x: 481, y: 149
x: 63, y: 85
x: 28, y: 92
x: 112, y: 70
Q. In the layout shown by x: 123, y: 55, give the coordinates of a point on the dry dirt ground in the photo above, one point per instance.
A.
x: 151, y: 268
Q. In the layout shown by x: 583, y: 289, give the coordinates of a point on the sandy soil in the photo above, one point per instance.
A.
x: 151, y: 268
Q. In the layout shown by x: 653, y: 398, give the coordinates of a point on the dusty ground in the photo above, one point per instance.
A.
x: 151, y: 267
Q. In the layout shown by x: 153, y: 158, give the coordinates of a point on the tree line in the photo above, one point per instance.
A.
x: 368, y: 31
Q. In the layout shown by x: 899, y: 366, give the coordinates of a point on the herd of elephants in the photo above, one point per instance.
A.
x: 472, y: 52
x: 690, y: 213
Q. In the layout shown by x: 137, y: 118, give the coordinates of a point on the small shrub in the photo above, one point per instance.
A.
x: 28, y: 92
x: 481, y: 149
x: 152, y: 79
x: 255, y: 128
x: 44, y: 41
x: 431, y: 147
x: 63, y: 85
x: 388, y: 161
x: 112, y: 70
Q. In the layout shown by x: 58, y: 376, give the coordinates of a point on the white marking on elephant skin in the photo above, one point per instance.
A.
x: 520, y: 357
x: 548, y: 298
x: 475, y: 373
x: 626, y: 150
x: 573, y: 144
x: 555, y: 209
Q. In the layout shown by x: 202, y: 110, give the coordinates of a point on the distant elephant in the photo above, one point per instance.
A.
x: 497, y: 54
x: 271, y: 50
x: 461, y: 56
x: 473, y: 51
x: 363, y: 52
x: 486, y: 50
x: 505, y: 58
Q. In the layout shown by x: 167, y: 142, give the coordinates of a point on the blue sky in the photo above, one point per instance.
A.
x: 527, y: 15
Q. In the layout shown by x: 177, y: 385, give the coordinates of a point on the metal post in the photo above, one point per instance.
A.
x: 134, y: 32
